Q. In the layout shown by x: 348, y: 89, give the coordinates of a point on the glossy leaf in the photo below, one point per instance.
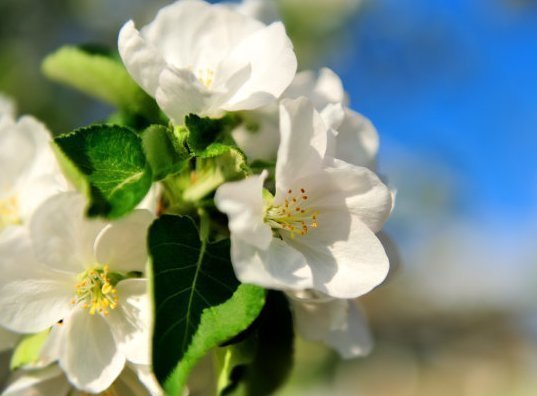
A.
x: 198, y: 302
x: 106, y: 162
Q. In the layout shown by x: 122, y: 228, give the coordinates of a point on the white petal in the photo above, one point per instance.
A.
x: 180, y: 93
x: 328, y: 89
x: 242, y: 202
x: 47, y: 381
x: 315, y: 319
x: 151, y: 200
x: 34, y: 302
x: 130, y: 321
x: 353, y: 338
x: 278, y: 267
x: 322, y: 89
x: 26, y: 138
x: 146, y: 377
x: 137, y: 380
x: 357, y: 189
x: 63, y: 237
x: 273, y: 63
x: 262, y: 142
x: 365, y: 194
x: 123, y: 244
x: 343, y: 266
x: 141, y: 58
x: 32, y: 297
x: 333, y: 116
x: 357, y: 141
x: 53, y: 347
x: 90, y: 358
x: 302, y: 144
x: 196, y: 35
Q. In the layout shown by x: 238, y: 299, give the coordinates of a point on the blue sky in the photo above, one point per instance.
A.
x: 455, y: 81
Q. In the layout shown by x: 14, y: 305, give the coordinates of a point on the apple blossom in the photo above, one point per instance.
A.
x: 206, y: 59
x: 85, y: 284
x: 133, y: 380
x: 352, y: 137
x: 30, y: 173
x: 338, y: 323
x: 319, y: 230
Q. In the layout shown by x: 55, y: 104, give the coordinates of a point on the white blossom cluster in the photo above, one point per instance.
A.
x: 310, y: 231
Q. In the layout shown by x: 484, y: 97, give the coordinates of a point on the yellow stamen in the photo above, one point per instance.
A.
x: 96, y: 291
x: 9, y: 212
x: 291, y: 217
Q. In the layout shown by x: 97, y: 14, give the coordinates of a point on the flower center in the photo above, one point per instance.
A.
x: 205, y: 76
x: 96, y: 290
x: 9, y: 212
x: 294, y: 215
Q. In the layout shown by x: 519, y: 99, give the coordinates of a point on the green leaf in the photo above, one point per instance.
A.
x: 198, y: 302
x: 98, y: 75
x: 108, y: 164
x: 161, y: 153
x: 27, y: 351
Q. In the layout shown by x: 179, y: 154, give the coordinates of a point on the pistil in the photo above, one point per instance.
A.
x: 293, y: 215
x: 96, y: 291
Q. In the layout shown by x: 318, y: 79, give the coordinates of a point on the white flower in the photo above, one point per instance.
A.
x: 85, y: 284
x: 338, y: 323
x: 207, y: 59
x: 319, y: 231
x: 30, y: 173
x: 52, y: 381
x: 352, y: 137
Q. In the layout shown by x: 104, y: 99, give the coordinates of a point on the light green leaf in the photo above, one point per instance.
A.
x: 27, y: 351
x: 108, y: 164
x: 198, y: 302
x: 98, y: 75
x: 161, y: 153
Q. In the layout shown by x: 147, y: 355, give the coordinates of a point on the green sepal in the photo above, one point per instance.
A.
x: 198, y: 302
x: 162, y: 155
x: 108, y: 164
x: 26, y: 353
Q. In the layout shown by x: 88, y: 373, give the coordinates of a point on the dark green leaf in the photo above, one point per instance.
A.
x: 108, y: 163
x: 160, y: 152
x: 98, y: 75
x: 198, y: 301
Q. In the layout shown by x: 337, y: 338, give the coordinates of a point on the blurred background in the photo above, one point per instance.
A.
x: 451, y: 86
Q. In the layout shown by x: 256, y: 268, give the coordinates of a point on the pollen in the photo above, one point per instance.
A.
x: 95, y: 291
x: 293, y: 215
x: 9, y: 212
